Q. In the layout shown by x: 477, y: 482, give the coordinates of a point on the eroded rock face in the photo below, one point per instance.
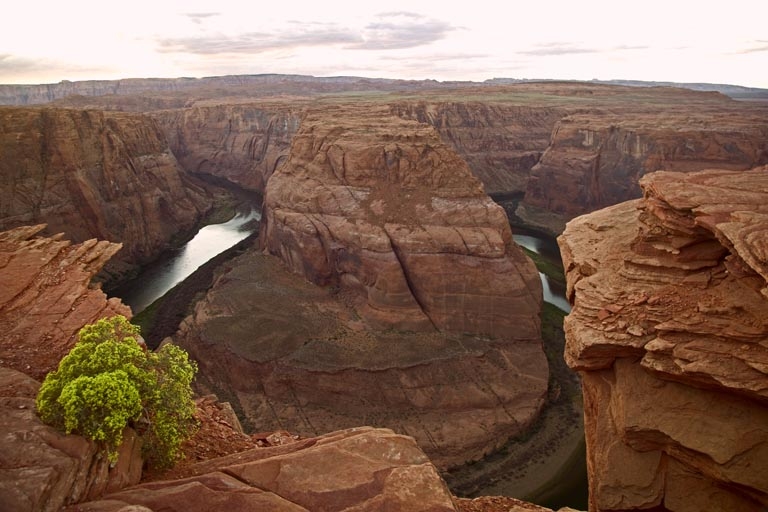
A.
x: 360, y: 469
x: 426, y: 317
x: 45, y: 296
x: 92, y: 174
x: 596, y: 159
x: 241, y: 143
x: 501, y: 143
x: 380, y: 207
x: 669, y: 332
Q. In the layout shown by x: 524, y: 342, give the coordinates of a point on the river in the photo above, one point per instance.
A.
x: 554, y: 292
x: 156, y: 279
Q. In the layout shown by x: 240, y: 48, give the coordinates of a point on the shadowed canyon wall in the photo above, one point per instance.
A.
x: 668, y: 332
x: 94, y: 174
x: 241, y: 143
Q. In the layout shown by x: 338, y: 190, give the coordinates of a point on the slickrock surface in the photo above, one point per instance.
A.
x: 357, y: 469
x: 596, y: 159
x: 93, y: 174
x: 45, y: 296
x: 42, y: 469
x: 243, y: 143
x: 669, y: 331
x: 427, y: 317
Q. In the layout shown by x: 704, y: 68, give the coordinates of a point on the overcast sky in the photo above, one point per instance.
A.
x: 667, y: 40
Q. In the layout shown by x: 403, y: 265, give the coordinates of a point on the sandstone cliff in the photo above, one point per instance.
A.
x: 243, y: 143
x: 596, y: 159
x: 668, y: 331
x: 45, y: 296
x: 92, y: 174
x: 426, y: 317
x: 500, y: 142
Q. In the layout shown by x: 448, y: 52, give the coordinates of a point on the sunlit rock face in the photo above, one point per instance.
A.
x: 668, y: 332
x: 388, y: 292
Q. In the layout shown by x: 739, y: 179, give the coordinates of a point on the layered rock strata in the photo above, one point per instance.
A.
x: 92, y: 174
x: 46, y: 296
x: 596, y: 159
x: 668, y: 332
x: 499, y: 142
x: 381, y: 208
x: 243, y: 143
x: 426, y: 317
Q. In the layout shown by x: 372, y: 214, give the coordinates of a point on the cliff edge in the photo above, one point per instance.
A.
x: 668, y: 331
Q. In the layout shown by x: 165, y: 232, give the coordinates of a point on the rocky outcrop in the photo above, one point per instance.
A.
x: 501, y: 143
x: 668, y: 331
x: 596, y: 159
x: 382, y: 209
x: 361, y: 469
x: 46, y: 297
x: 91, y: 174
x: 243, y: 143
x: 43, y: 469
x: 426, y: 317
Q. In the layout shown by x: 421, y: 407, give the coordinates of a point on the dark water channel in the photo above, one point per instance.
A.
x: 547, y: 248
x: 156, y: 279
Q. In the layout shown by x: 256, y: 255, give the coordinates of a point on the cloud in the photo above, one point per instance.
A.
x: 755, y: 49
x: 399, y: 30
x: 629, y: 47
x: 10, y: 64
x: 198, y: 17
x: 297, y: 34
x: 551, y: 49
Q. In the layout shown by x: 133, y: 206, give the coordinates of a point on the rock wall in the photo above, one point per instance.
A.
x: 668, y: 332
x: 596, y: 159
x: 243, y: 143
x: 92, y: 174
x: 382, y: 208
x: 501, y: 143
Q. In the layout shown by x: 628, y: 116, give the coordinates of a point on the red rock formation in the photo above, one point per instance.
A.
x: 380, y: 207
x: 243, y: 143
x: 94, y: 174
x: 596, y: 159
x: 669, y: 332
x: 46, y: 297
x: 43, y: 469
x: 427, y: 321
x: 500, y: 142
x: 361, y: 469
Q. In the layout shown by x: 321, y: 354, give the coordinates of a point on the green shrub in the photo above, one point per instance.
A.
x: 108, y: 381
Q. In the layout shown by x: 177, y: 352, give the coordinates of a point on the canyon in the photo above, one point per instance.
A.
x: 385, y: 288
x: 668, y: 332
x: 395, y: 296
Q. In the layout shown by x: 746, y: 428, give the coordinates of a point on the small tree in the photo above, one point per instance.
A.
x: 109, y: 381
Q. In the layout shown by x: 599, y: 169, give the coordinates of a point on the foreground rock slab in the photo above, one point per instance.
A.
x: 669, y: 331
x: 357, y: 469
x: 42, y: 469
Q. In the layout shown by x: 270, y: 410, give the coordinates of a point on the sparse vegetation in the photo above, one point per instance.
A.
x: 109, y: 381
